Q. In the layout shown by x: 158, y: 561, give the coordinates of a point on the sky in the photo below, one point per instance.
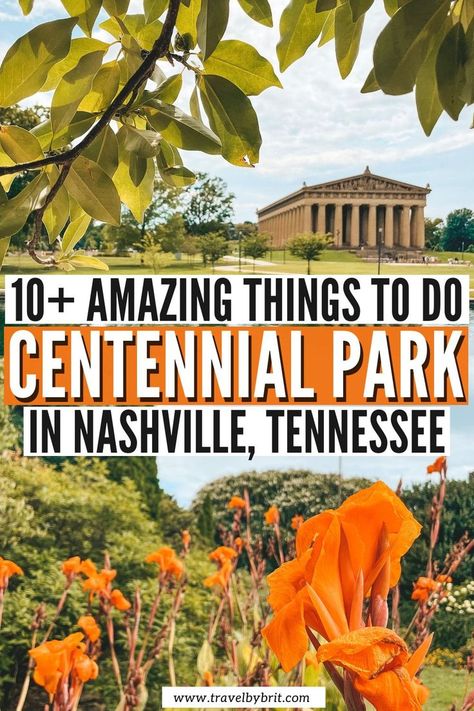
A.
x: 320, y: 128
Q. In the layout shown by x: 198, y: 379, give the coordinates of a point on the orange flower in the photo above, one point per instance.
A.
x: 88, y: 568
x: 222, y: 554
x: 167, y: 561
x: 311, y: 659
x: 119, y: 601
x: 437, y: 466
x: 423, y: 589
x: 340, y: 556
x: 380, y: 666
x: 272, y: 516
x: 444, y: 579
x: 90, y: 627
x: 7, y: 569
x: 99, y: 584
x: 186, y: 538
x: 57, y: 660
x: 72, y: 566
x: 238, y: 543
x: 208, y: 678
x: 236, y: 502
x: 221, y: 577
x: 296, y: 522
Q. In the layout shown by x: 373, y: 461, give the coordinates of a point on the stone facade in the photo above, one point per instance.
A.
x: 357, y: 211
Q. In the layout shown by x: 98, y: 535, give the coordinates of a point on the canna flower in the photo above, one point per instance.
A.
x: 167, y: 560
x: 437, y: 466
x: 90, y: 627
x: 222, y: 554
x: 236, y: 502
x: 88, y: 568
x: 442, y: 579
x: 342, y: 556
x: 72, y: 566
x: 423, y: 589
x: 119, y: 601
x: 59, y: 661
x: 7, y: 569
x: 296, y: 522
x: 99, y: 583
x: 238, y: 543
x: 186, y: 539
x: 221, y: 577
x: 380, y: 666
x: 272, y: 516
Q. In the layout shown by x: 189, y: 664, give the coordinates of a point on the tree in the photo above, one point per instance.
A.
x: 433, y: 233
x: 255, y: 245
x: 208, y: 205
x: 213, y: 247
x: 79, y: 166
x: 171, y: 235
x: 458, y: 233
x: 153, y: 255
x: 308, y: 246
x: 191, y: 246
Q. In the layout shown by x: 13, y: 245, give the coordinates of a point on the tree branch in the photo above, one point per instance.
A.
x: 39, y: 214
x: 160, y: 49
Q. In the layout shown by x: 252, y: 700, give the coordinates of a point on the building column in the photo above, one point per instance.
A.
x: 420, y: 227
x: 338, y: 226
x: 355, y: 226
x: 388, y: 236
x: 372, y: 227
x: 405, y: 227
x: 321, y: 218
x: 307, y: 219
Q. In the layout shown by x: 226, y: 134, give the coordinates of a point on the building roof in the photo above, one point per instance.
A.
x: 366, y: 181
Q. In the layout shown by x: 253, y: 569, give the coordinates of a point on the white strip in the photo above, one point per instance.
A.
x: 238, y: 300
x: 243, y: 697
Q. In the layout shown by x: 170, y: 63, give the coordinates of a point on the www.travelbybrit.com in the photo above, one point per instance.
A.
x: 240, y: 697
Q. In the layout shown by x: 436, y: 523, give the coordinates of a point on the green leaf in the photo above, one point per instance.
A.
x: 194, y: 107
x: 116, y: 8
x: 370, y: 84
x: 72, y: 88
x: 15, y: 212
x: 325, y: 5
x: 135, y: 26
x: 403, y: 44
x: 83, y: 261
x: 26, y: 64
x: 80, y: 123
x: 468, y: 91
x: 243, y: 65
x: 211, y: 24
x: 86, y: 11
x: 427, y: 98
x: 94, y: 190
x: 56, y: 214
x: 171, y: 167
x: 75, y: 232
x: 169, y: 90
x: 20, y: 145
x: 300, y: 26
x: 391, y: 7
x: 258, y: 10
x: 232, y: 117
x: 154, y: 9
x: 104, y: 88
x: 205, y: 660
x: 135, y: 194
x: 360, y: 7
x: 144, y: 144
x: 104, y: 151
x: 26, y: 6
x: 328, y: 30
x: 181, y: 130
x: 348, y: 34
x: 187, y: 21
x: 450, y: 71
x: 79, y: 47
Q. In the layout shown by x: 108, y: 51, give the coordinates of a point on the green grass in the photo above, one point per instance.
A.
x: 447, y: 686
x: 330, y: 262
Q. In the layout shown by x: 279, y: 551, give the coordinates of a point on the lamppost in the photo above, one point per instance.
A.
x: 240, y: 250
x: 380, y: 242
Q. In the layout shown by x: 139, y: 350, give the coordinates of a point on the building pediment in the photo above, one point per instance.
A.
x: 368, y: 182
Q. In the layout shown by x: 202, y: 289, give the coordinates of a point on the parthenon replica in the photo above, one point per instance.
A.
x: 360, y: 211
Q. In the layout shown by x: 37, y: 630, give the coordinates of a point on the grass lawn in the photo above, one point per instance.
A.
x: 276, y: 262
x: 447, y: 686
